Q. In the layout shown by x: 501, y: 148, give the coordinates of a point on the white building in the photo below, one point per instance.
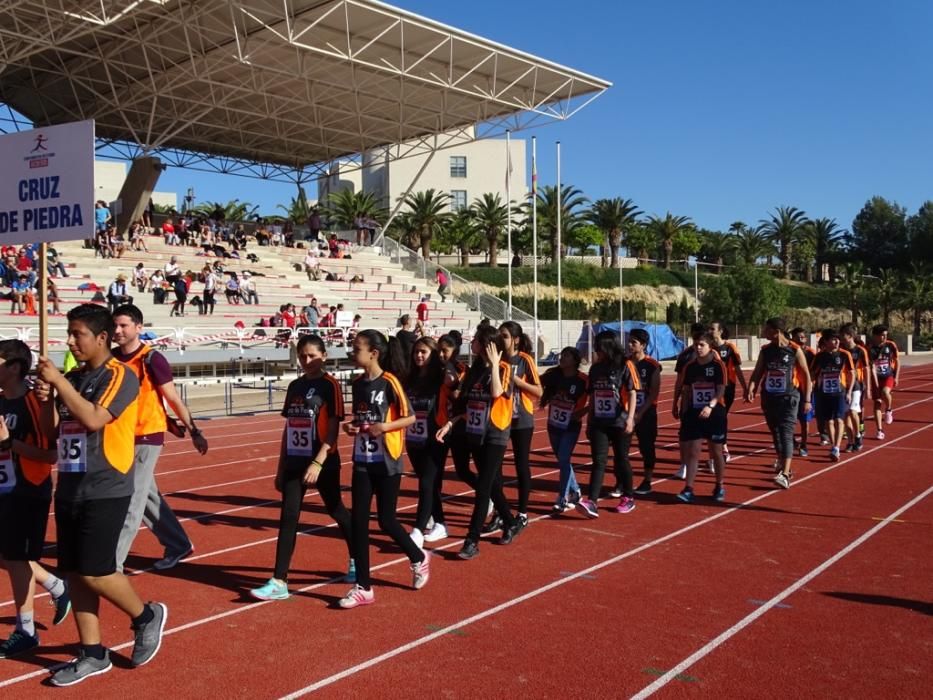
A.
x: 465, y: 172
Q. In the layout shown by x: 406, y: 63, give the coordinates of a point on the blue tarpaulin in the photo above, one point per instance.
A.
x: 664, y: 345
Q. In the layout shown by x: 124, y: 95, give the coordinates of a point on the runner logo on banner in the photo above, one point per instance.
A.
x: 47, y: 184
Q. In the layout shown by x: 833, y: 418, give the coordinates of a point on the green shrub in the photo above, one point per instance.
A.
x: 577, y: 275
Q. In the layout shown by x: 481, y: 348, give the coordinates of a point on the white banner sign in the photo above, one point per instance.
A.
x: 47, y: 184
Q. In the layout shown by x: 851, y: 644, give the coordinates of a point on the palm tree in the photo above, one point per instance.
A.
x: 234, y: 210
x: 785, y: 227
x: 888, y: 289
x: 715, y: 247
x: 826, y: 237
x: 429, y: 212
x: 462, y: 233
x: 666, y: 230
x: 641, y: 240
x: 854, y: 287
x: 749, y: 244
x: 491, y: 217
x: 917, y: 294
x: 345, y: 206
x: 612, y: 217
x: 571, y: 203
x: 299, y: 209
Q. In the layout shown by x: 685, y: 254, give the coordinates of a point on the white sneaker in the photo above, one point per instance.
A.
x: 436, y: 533
x: 682, y: 472
x: 616, y: 492
x: 417, y: 537
x: 357, y: 596
x: 421, y: 572
x: 711, y: 467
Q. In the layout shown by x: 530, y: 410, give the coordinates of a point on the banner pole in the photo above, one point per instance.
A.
x: 43, y: 300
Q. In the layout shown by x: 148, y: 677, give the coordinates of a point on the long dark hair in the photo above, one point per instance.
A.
x: 392, y: 357
x: 430, y: 382
x: 484, y: 335
x: 607, y: 342
x: 515, y: 330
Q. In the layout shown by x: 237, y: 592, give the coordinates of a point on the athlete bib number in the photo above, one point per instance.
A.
x: 559, y: 415
x: 7, y: 473
x: 368, y: 449
x: 72, y: 448
x: 703, y: 394
x: 776, y: 383
x: 830, y: 383
x: 417, y: 433
x: 477, y: 416
x: 299, y: 437
x: 605, y: 404
x: 640, y: 398
x: 883, y: 367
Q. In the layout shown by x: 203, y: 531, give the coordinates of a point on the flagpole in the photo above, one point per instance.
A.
x: 508, y: 204
x: 560, y: 324
x: 621, y: 308
x: 534, y: 230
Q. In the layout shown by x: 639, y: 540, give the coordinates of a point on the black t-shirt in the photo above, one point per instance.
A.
x: 309, y: 406
x: 379, y: 400
x: 20, y: 476
x: 407, y: 339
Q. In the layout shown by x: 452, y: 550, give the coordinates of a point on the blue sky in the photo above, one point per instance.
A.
x: 719, y: 110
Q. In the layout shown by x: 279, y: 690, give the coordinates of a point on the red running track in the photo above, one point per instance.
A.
x: 819, y: 591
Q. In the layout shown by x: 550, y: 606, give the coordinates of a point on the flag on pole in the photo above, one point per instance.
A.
x: 534, y: 174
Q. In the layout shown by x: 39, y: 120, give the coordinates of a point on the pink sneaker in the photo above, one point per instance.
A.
x: 357, y: 596
x: 888, y: 417
x: 626, y: 505
x: 880, y: 435
x: 421, y: 572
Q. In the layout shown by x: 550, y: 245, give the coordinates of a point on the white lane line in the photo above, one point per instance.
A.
x: 392, y: 653
x: 717, y: 642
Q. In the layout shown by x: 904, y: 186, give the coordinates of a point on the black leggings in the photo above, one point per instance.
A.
x: 521, y: 450
x: 428, y: 463
x: 293, y: 492
x: 460, y: 451
x: 601, y: 438
x: 385, y: 487
x: 488, y: 460
x: 208, y: 302
x: 781, y: 416
x: 647, y: 432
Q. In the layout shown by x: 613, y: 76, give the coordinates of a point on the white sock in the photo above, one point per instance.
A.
x: 25, y: 624
x: 54, y: 585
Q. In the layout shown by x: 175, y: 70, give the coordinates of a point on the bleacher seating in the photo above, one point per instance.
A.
x: 386, y: 293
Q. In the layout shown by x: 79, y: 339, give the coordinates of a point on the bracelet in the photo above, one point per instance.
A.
x: 317, y: 464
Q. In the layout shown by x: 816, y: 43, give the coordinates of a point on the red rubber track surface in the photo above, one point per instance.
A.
x: 816, y: 591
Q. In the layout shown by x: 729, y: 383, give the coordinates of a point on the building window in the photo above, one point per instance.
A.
x: 458, y: 200
x: 458, y: 166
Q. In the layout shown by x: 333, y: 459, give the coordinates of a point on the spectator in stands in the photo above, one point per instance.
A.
x: 333, y: 246
x: 102, y: 245
x: 52, y: 297
x: 168, y: 232
x: 232, y: 291
x: 314, y: 224
x: 180, y: 285
x: 312, y: 264
x: 101, y: 215
x: 183, y: 233
x: 406, y: 335
x: 330, y: 318
x: 210, y: 289
x: 248, y: 289
x: 54, y: 265
x: 423, y: 309
x: 138, y: 236
x: 157, y: 285
x: 117, y: 243
x: 356, y: 279
x: 443, y: 284
x: 116, y: 294
x: 21, y: 290
x: 171, y: 270
x: 10, y: 273
x: 262, y: 236
x: 147, y: 215
x: 140, y: 277
x: 289, y: 317
x: 24, y: 265
x: 312, y: 313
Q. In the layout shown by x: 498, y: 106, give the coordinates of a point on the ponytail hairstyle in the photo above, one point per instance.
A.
x: 519, y: 337
x: 392, y: 357
x: 607, y: 343
x: 433, y: 375
x: 777, y: 324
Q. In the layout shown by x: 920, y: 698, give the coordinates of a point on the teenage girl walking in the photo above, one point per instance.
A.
x: 308, y: 457
x: 485, y: 405
x: 565, y: 396
x: 646, y: 404
x: 381, y: 415
x: 526, y: 389
x: 613, y: 391
x: 425, y: 453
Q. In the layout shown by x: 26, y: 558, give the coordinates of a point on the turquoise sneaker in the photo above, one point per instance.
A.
x: 272, y: 590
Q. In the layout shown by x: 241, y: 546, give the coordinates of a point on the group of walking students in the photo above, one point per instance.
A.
x: 103, y: 424
x: 430, y: 404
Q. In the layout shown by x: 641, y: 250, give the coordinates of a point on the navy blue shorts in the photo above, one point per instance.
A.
x: 830, y: 406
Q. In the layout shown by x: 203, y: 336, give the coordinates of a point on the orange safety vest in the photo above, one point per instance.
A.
x: 151, y: 418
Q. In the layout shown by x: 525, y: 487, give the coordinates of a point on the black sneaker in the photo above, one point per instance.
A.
x: 469, y: 550
x: 492, y: 526
x: 850, y: 447
x: 644, y: 488
x: 858, y: 444
x: 149, y: 635
x: 19, y: 642
x: 81, y: 668
x: 511, y: 533
x: 62, y: 606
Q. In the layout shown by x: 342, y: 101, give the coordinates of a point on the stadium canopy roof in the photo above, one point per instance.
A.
x: 278, y: 89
